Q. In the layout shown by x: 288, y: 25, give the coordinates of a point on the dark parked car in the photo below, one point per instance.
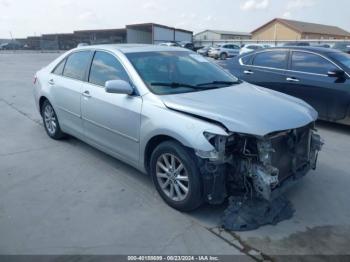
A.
x: 343, y: 46
x: 297, y: 44
x: 187, y: 45
x: 322, y: 45
x: 11, y: 46
x: 319, y: 76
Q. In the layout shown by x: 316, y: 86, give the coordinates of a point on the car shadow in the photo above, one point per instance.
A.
x: 207, y: 215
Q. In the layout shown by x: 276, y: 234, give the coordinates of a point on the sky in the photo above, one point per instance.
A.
x: 22, y: 18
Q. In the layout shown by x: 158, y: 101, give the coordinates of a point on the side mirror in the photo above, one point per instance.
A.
x: 119, y: 87
x: 338, y: 73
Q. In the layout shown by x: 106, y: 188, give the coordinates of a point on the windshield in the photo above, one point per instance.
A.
x: 341, y: 45
x: 342, y: 58
x: 179, y: 72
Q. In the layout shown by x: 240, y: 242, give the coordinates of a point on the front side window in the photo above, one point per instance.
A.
x: 311, y: 63
x: 342, y: 58
x: 106, y: 67
x: 77, y: 64
x: 179, y: 72
x: 273, y: 59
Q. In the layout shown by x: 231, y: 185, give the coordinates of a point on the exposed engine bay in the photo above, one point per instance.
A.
x: 257, y: 168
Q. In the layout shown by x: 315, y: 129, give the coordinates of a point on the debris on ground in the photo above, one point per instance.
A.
x: 244, y: 214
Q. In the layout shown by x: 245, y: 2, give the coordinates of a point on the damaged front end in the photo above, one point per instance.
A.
x: 257, y: 167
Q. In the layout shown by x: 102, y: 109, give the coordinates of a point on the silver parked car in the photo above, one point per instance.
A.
x: 224, y: 51
x: 197, y: 130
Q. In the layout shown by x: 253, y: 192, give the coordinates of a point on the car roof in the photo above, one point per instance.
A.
x: 256, y: 44
x: 133, y: 48
x: 316, y: 49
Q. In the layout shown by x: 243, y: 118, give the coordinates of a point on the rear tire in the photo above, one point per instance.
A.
x: 51, y: 124
x: 176, y: 176
x: 223, y: 56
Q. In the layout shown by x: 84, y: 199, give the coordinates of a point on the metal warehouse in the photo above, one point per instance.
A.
x: 146, y: 33
x: 155, y: 34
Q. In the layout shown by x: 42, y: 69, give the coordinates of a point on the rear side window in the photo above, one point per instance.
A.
x: 106, y: 67
x: 246, y: 60
x: 311, y: 63
x: 59, y: 68
x: 255, y: 47
x: 77, y: 64
x: 276, y: 59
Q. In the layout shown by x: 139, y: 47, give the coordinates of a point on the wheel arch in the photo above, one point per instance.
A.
x: 152, y: 144
x: 42, y: 99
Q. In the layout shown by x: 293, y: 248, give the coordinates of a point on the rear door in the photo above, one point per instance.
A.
x: 232, y: 50
x: 66, y: 83
x: 266, y: 69
x: 308, y: 79
x: 111, y: 121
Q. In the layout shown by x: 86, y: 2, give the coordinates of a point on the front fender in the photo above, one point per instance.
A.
x: 157, y: 120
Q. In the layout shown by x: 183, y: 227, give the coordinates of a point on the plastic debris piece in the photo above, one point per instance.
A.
x: 249, y: 214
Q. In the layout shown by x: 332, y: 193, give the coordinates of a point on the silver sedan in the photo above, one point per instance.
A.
x: 201, y: 133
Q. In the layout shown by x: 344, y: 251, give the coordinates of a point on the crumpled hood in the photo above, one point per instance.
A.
x: 245, y: 108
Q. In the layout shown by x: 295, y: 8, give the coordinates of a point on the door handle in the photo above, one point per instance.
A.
x: 248, y: 72
x: 51, y: 82
x: 292, y: 79
x: 86, y: 94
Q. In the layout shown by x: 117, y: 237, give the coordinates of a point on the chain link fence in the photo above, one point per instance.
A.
x: 273, y: 43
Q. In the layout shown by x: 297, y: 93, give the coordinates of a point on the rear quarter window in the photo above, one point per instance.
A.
x: 77, y: 64
x: 246, y: 60
x: 59, y: 68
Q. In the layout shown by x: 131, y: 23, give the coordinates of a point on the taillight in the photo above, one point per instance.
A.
x: 34, y: 80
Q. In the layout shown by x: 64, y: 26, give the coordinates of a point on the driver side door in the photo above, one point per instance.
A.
x: 111, y: 121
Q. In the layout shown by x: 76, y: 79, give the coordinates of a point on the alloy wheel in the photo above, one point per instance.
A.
x: 50, y: 119
x: 172, y: 177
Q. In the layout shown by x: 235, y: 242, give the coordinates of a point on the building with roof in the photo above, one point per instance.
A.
x: 146, y: 33
x: 101, y: 36
x: 217, y: 35
x: 58, y: 41
x: 284, y: 29
x: 151, y: 33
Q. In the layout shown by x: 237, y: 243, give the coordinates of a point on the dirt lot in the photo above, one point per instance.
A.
x: 68, y: 198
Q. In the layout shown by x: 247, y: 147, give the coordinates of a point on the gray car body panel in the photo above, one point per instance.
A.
x: 242, y: 108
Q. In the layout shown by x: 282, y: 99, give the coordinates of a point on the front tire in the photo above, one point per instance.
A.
x: 176, y: 176
x: 51, y: 124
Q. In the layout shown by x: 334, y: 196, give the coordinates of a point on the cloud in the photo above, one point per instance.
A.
x: 287, y: 14
x: 255, y: 5
x: 4, y: 3
x: 294, y: 5
x: 153, y: 5
x: 149, y: 5
x: 88, y: 15
x: 298, y: 4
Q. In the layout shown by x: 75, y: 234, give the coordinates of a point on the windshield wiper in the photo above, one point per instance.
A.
x: 174, y: 85
x: 219, y: 83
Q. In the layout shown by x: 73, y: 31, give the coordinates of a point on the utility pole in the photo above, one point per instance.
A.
x: 12, y: 42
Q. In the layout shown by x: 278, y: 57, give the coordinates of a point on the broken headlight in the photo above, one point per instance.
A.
x: 265, y: 149
x: 219, y: 144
